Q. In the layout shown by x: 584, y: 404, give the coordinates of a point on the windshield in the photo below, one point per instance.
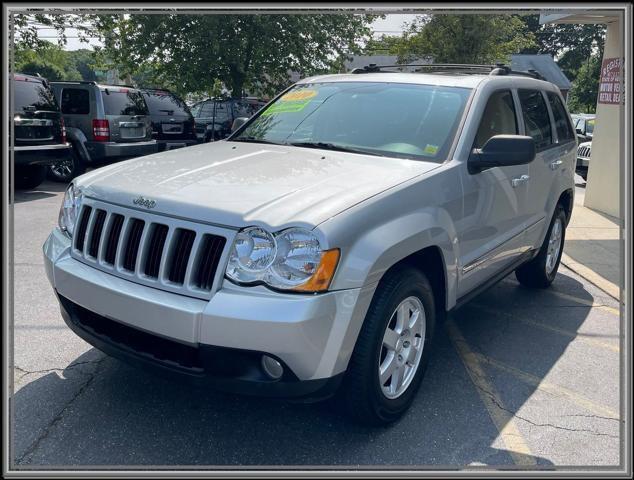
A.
x: 123, y: 102
x: 590, y: 127
x: 32, y: 96
x: 389, y: 119
x: 165, y: 103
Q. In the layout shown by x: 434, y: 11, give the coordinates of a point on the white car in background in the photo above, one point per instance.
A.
x: 583, y: 159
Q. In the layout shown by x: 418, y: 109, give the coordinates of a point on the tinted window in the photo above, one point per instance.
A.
x: 222, y: 111
x: 565, y: 132
x: 165, y: 103
x: 207, y: 109
x: 498, y: 118
x: 123, y: 102
x: 32, y: 95
x: 75, y: 101
x: 536, y: 118
x: 246, y: 109
x: 390, y: 119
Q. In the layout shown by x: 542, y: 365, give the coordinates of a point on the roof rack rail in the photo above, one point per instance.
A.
x: 86, y: 82
x: 497, y: 69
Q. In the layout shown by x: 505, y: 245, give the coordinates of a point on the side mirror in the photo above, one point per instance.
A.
x: 502, y: 151
x: 579, y: 131
x: 238, y: 122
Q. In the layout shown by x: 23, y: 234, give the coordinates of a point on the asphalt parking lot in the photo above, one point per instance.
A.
x: 517, y: 378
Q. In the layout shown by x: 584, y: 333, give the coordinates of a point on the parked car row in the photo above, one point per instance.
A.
x: 63, y: 127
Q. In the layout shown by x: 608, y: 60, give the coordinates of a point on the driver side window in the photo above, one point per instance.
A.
x: 498, y: 118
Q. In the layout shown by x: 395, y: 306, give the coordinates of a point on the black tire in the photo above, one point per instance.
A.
x: 361, y: 393
x: 30, y: 176
x: 534, y: 273
x: 67, y: 170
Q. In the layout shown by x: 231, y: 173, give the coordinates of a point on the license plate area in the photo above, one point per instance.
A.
x: 172, y: 128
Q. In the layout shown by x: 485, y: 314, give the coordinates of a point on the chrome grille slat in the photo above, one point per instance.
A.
x: 167, y: 253
x: 114, y: 234
x: 96, y: 232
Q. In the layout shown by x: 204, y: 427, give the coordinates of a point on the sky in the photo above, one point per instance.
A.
x: 392, y: 24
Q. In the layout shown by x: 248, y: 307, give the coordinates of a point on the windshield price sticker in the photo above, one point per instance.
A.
x: 291, y: 102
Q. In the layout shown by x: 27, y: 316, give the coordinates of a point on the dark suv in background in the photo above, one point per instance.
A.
x: 172, y: 123
x: 38, y: 129
x: 103, y: 123
x: 214, y: 117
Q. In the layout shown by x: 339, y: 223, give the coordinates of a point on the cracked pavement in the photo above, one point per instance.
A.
x: 73, y: 405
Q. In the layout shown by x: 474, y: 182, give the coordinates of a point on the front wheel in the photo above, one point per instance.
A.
x: 541, y: 270
x: 392, y: 351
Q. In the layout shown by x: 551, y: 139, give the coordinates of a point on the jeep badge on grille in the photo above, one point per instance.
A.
x: 144, y: 202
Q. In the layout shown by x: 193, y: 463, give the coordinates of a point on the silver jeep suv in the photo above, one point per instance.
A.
x: 317, y: 248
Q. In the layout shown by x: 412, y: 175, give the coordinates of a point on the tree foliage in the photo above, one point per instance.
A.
x: 476, y: 39
x: 571, y: 44
x: 190, y: 52
x: 48, y: 60
x: 582, y: 97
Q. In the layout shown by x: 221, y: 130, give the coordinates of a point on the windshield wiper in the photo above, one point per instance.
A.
x: 254, y: 140
x: 334, y: 147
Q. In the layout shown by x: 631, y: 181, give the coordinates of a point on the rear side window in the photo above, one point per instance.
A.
x: 565, y: 133
x: 123, y: 102
x: 207, y: 109
x: 498, y: 118
x: 32, y: 95
x: 536, y: 118
x: 75, y: 101
x: 222, y: 111
x: 165, y: 103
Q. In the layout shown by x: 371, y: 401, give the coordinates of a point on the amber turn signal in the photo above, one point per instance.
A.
x: 320, y: 281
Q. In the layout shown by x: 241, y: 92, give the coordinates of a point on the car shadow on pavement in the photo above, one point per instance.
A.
x: 119, y: 415
x: 46, y: 190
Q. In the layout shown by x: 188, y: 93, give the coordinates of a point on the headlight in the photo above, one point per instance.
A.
x: 289, y: 260
x: 70, y: 208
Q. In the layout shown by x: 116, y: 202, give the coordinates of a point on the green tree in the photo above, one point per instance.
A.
x: 477, y: 39
x: 255, y: 52
x: 48, y: 60
x: 571, y: 44
x: 583, y: 94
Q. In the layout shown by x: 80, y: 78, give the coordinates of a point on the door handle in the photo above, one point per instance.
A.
x: 516, y: 182
x: 555, y: 165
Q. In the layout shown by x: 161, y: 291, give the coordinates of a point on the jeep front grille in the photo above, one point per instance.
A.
x: 174, y: 255
x: 583, y: 152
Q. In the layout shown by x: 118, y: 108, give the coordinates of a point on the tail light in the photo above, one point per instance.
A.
x: 100, y: 130
x: 63, y: 126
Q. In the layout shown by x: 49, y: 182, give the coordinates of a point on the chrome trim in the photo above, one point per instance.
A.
x: 138, y: 276
x: 60, y: 146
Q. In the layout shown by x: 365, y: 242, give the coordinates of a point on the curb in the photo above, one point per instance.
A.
x: 594, y: 278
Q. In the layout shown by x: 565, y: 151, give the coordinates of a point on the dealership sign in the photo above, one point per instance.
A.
x: 610, y: 83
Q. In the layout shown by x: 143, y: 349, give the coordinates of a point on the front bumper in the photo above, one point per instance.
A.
x: 41, y: 154
x: 221, y: 341
x: 101, y: 150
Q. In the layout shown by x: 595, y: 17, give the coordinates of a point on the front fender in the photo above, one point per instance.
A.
x: 376, y: 250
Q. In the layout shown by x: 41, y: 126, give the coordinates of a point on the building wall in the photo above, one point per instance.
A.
x: 606, y: 161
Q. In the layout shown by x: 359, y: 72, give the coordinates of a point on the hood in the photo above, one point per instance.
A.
x: 237, y: 184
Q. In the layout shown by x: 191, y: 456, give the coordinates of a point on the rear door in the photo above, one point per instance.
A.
x: 204, y: 117
x: 77, y: 106
x: 538, y: 123
x: 37, y: 119
x: 127, y: 114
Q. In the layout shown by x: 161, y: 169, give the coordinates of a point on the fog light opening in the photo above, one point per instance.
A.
x: 272, y: 367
